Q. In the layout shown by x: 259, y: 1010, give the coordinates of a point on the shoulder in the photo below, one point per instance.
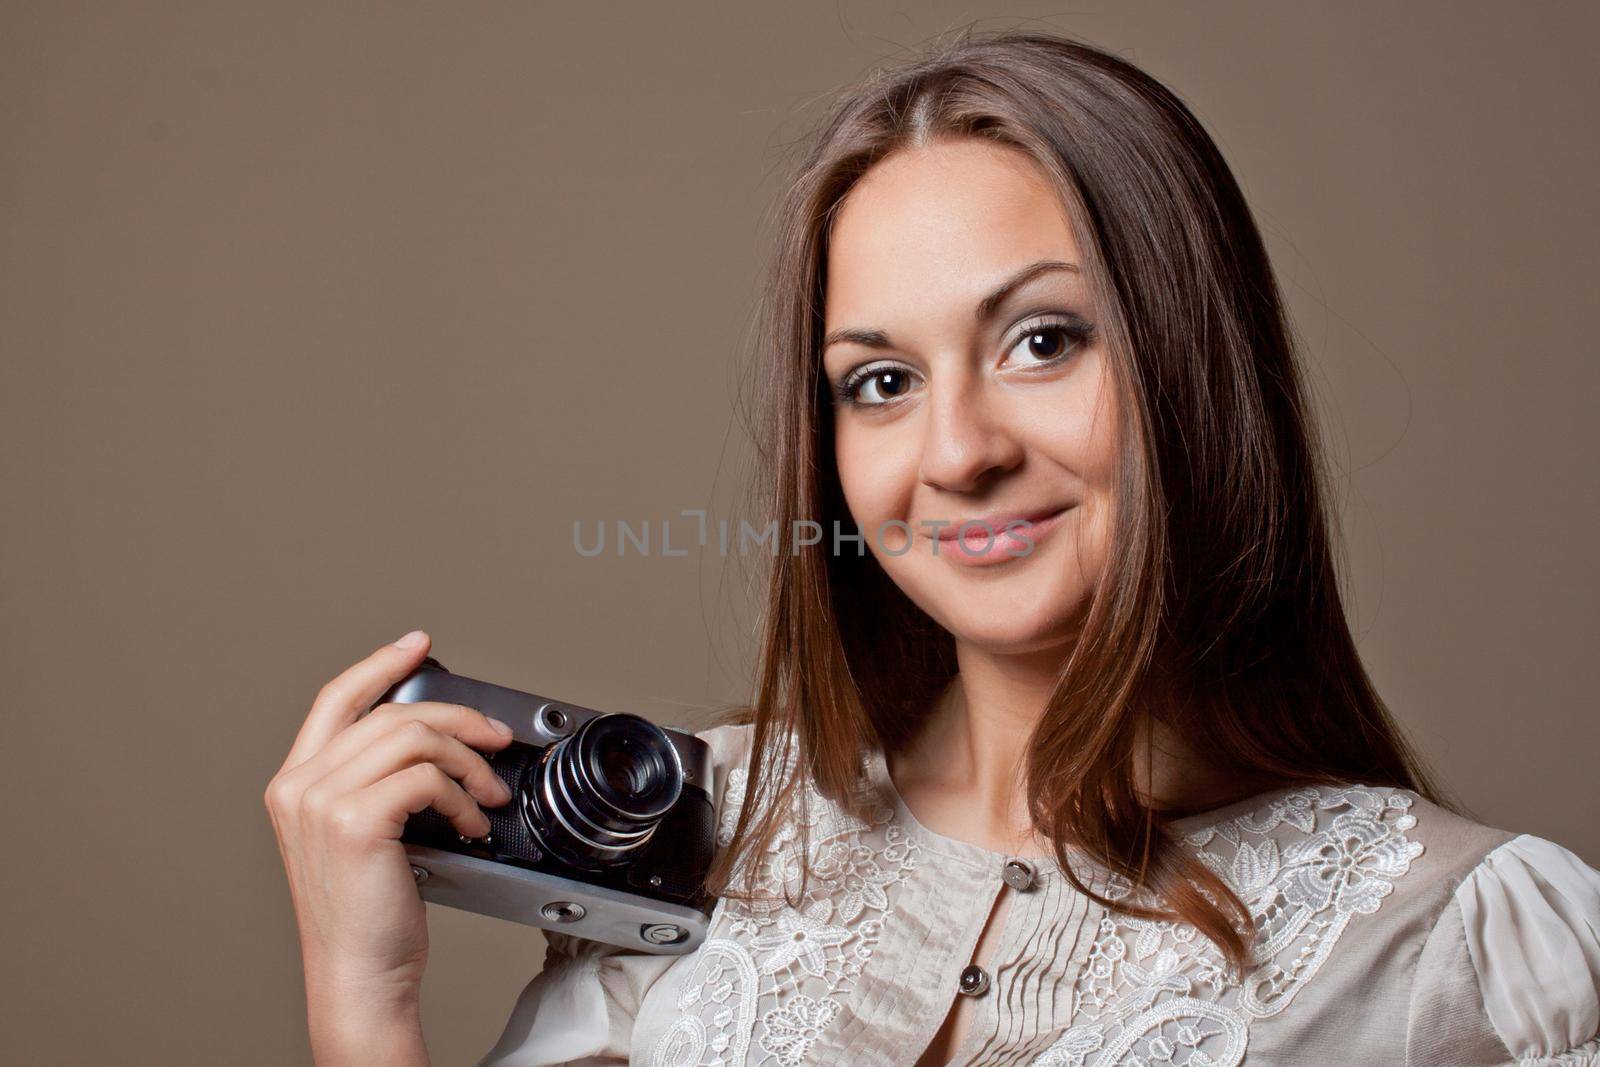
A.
x: 730, y: 745
x: 1498, y: 930
x: 730, y: 758
x: 1512, y: 954
x: 1409, y: 844
x: 1522, y: 932
x: 1417, y: 847
x: 1454, y: 843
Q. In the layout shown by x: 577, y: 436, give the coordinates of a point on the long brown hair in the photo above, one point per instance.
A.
x: 1219, y: 609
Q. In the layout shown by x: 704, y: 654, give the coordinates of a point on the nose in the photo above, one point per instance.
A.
x: 967, y: 440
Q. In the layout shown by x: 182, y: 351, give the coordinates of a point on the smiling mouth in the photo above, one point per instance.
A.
x: 995, y: 539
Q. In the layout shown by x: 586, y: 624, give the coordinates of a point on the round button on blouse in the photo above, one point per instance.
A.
x: 974, y: 981
x: 1017, y: 875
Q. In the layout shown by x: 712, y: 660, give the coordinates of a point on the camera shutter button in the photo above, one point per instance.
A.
x: 563, y: 911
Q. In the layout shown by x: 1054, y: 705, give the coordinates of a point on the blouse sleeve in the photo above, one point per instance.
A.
x: 1511, y: 974
x: 580, y: 1009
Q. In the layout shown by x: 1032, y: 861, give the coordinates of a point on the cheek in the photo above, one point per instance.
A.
x: 1088, y: 447
x: 877, y: 471
x: 1075, y: 424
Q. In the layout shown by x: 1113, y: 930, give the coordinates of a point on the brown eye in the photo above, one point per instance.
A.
x: 888, y: 384
x: 875, y: 385
x: 1048, y: 343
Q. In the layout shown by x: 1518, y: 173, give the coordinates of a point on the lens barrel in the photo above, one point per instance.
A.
x: 597, y: 796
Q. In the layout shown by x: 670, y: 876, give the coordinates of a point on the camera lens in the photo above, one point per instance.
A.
x: 621, y: 771
x: 631, y: 767
x: 597, y: 795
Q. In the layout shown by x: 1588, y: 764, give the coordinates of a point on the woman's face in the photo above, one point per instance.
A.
x: 970, y: 383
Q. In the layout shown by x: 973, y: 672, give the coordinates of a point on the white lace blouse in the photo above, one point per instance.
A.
x: 1391, y: 932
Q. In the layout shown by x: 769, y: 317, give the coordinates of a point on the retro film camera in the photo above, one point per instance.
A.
x: 609, y: 832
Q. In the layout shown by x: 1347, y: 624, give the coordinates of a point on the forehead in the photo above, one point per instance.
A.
x: 930, y: 226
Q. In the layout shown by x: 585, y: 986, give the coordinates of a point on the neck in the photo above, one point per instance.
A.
x: 970, y: 755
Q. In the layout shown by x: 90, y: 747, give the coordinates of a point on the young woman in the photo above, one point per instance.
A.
x: 1071, y: 758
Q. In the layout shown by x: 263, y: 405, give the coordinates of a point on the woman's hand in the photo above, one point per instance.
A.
x: 338, y: 806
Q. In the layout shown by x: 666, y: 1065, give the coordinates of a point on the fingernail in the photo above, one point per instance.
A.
x: 501, y: 727
x: 413, y: 639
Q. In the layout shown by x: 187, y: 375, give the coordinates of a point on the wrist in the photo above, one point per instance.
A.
x: 364, y: 1021
x: 361, y: 1032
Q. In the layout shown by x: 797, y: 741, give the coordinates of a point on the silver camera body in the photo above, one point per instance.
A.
x: 609, y: 833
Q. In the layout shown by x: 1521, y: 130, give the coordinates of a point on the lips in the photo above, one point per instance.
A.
x: 982, y: 526
x: 989, y: 541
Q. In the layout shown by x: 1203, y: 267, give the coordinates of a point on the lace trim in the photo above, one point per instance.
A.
x: 1157, y: 991
x: 770, y: 979
x: 760, y: 954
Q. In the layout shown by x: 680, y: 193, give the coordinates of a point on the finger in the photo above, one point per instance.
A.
x: 468, y: 724
x: 421, y: 785
x: 413, y: 742
x: 341, y: 700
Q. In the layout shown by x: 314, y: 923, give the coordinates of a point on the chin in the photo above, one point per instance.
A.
x: 1010, y: 626
x: 1015, y: 608
x: 1011, y: 640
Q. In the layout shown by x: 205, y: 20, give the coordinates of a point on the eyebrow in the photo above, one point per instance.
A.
x: 985, y: 310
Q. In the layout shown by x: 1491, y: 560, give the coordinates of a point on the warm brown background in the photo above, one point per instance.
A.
x: 321, y: 325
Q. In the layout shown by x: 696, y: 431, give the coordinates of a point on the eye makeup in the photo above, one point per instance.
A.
x: 1074, y: 329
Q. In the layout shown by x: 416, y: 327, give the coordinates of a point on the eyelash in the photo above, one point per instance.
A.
x: 1077, y: 331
